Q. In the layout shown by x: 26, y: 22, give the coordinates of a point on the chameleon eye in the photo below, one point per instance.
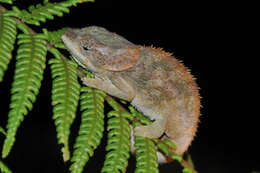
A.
x: 85, y: 48
x: 87, y: 44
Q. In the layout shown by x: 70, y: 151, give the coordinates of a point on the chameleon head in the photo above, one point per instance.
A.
x: 95, y: 48
x: 83, y: 47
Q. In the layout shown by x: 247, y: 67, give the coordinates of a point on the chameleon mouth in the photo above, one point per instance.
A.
x: 73, y: 48
x: 79, y: 61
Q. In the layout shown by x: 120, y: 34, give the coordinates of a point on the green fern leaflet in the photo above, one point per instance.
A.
x: 7, y: 39
x: 119, y: 143
x: 4, y: 168
x: 91, y: 128
x: 2, y: 130
x: 31, y: 57
x: 43, y: 12
x: 146, y: 157
x: 65, y: 96
x: 54, y: 37
x: 7, y: 1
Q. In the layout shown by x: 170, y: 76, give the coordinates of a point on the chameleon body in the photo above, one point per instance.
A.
x: 152, y: 80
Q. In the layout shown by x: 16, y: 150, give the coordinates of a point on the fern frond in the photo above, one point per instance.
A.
x: 7, y: 1
x: 65, y: 96
x: 4, y: 168
x: 91, y: 128
x: 189, y: 160
x: 146, y: 158
x: 31, y: 57
x: 54, y: 37
x: 166, y: 147
x: 75, y: 2
x: 140, y: 117
x: 47, y: 11
x: 2, y: 130
x: 119, y: 143
x: 43, y: 12
x: 187, y: 170
x: 7, y: 39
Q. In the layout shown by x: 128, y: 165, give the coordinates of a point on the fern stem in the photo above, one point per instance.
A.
x: 188, y: 168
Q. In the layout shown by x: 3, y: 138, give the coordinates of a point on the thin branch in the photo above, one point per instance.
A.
x: 184, y: 163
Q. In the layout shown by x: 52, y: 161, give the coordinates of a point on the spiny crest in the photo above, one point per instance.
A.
x: 160, y: 51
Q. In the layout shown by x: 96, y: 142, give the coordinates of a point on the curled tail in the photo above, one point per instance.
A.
x: 183, y: 121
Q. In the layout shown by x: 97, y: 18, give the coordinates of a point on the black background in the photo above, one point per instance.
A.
x: 224, y: 143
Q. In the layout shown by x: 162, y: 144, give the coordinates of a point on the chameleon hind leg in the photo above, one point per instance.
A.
x: 154, y: 130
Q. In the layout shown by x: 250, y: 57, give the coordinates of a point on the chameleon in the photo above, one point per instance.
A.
x: 152, y: 80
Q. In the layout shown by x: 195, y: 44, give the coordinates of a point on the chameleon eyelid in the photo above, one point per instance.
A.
x: 86, y: 48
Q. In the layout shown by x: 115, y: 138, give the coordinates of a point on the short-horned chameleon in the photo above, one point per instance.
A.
x: 152, y: 80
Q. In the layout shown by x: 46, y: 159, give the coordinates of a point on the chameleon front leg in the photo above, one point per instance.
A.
x: 117, y: 87
x: 107, y: 86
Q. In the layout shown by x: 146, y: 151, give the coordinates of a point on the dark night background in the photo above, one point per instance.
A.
x: 224, y: 143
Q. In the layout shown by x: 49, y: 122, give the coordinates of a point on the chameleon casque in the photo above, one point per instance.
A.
x: 152, y: 80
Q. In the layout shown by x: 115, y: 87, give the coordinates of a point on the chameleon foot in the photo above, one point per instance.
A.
x: 155, y: 130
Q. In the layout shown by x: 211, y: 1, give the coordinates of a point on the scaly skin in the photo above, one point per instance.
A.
x: 152, y: 80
